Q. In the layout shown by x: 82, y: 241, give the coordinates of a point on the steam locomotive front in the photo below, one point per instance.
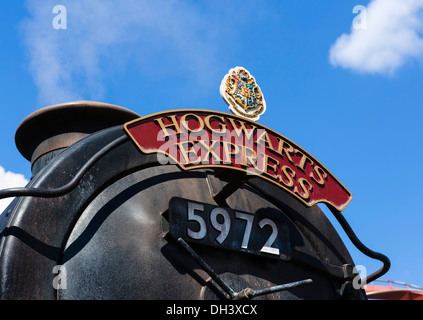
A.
x: 105, y: 217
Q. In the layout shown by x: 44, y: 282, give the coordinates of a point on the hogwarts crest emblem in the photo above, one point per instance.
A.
x: 241, y: 92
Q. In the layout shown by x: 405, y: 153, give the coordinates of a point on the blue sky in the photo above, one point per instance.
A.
x: 350, y: 96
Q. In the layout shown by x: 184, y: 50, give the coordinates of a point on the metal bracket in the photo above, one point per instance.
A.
x: 245, y: 294
x: 220, y: 192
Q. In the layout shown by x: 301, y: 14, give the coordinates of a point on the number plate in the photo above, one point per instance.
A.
x: 230, y: 229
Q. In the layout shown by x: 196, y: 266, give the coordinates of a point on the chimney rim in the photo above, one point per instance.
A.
x: 53, y: 122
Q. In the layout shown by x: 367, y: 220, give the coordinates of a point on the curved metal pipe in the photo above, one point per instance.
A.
x: 51, y: 193
x: 360, y: 246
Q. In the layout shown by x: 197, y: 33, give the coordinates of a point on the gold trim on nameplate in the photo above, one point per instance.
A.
x: 249, y: 147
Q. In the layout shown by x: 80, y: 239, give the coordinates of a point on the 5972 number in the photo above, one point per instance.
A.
x: 226, y: 228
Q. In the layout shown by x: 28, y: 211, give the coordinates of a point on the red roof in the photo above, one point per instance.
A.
x: 393, y: 291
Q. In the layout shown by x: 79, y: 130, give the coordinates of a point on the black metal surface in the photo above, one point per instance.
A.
x: 34, y: 231
x: 95, y: 209
x: 209, y: 270
x: 72, y: 184
x: 246, y: 293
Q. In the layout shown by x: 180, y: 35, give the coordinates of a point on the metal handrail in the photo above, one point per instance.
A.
x: 360, y: 246
x: 72, y: 184
x: 399, y: 283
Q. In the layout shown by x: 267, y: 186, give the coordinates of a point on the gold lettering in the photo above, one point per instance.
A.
x: 322, y: 175
x: 184, y: 123
x: 174, y: 124
x: 209, y: 149
x: 273, y: 167
x: 285, y: 148
x: 264, y: 137
x: 242, y: 129
x: 228, y: 153
x: 252, y: 158
x: 290, y: 176
x: 222, y: 124
x: 186, y: 153
x: 303, y: 161
x: 306, y: 191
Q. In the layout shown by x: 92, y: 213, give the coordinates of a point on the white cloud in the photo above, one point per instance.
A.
x: 105, y: 35
x: 390, y: 39
x: 10, y: 180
